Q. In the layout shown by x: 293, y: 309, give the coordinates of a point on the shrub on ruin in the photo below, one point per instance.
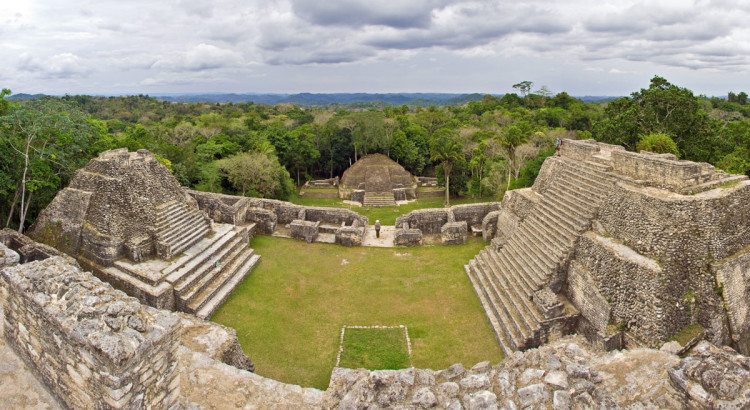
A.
x: 658, y: 143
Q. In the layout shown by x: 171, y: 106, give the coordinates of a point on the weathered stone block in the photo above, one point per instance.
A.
x: 265, y: 219
x: 358, y: 195
x: 489, y: 225
x: 304, y: 230
x: 399, y: 194
x: 350, y: 235
x: 407, y: 237
x: 453, y: 233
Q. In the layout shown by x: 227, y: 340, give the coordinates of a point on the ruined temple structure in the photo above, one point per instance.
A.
x: 625, y: 248
x: 127, y: 219
x: 376, y: 180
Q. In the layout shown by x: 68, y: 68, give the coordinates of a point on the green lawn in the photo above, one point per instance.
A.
x: 375, y: 349
x: 387, y: 215
x: 289, y: 311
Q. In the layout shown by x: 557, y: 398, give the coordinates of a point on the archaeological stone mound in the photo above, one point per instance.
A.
x: 626, y: 248
x: 376, y: 180
x: 125, y: 217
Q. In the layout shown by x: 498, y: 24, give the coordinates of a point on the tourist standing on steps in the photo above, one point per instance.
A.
x: 558, y: 145
x: 377, y: 228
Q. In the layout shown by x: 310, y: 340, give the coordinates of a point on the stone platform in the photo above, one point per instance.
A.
x: 196, y: 281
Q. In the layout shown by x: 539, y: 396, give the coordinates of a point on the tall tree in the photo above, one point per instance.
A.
x: 254, y: 172
x: 662, y: 108
x: 445, y: 148
x: 511, y: 138
x: 51, y: 139
x: 524, y: 87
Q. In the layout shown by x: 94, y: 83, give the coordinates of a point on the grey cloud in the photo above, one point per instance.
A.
x: 355, y: 13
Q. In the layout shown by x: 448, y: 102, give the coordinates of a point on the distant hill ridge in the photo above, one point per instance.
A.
x: 322, y: 99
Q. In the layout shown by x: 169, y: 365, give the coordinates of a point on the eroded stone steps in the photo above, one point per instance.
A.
x: 508, y: 294
x: 216, y: 291
x: 526, y: 277
x: 505, y: 279
x: 508, y: 317
x: 571, y: 204
x: 199, y: 280
x: 210, y: 307
x: 538, y: 259
x: 179, y: 227
x: 190, y: 240
x: 596, y: 180
x: 205, y: 263
x: 505, y: 324
x: 221, y: 236
x: 521, y: 263
x: 513, y: 289
x: 526, y: 287
x: 167, y: 211
x: 379, y: 200
x: 513, y: 313
x: 500, y: 336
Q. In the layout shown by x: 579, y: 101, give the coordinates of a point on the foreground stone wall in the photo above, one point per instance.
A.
x: 565, y: 374
x: 93, y: 346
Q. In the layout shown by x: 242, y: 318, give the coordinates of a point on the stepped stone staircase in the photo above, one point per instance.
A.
x: 507, y: 278
x: 178, y: 227
x: 199, y: 280
x: 379, y: 199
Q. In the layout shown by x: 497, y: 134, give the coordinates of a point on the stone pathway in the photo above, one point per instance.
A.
x: 386, y: 236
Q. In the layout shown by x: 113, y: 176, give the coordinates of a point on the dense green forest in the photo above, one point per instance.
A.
x: 484, y: 147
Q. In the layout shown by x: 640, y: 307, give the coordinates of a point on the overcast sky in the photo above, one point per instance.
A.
x: 584, y: 47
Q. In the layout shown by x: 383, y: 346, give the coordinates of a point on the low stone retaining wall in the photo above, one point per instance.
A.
x: 268, y: 213
x: 92, y: 345
x: 452, y: 224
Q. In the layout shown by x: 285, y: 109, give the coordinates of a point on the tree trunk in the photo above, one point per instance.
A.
x: 447, y: 171
x: 508, y: 187
x: 22, y: 214
x: 25, y: 212
x: 12, y: 209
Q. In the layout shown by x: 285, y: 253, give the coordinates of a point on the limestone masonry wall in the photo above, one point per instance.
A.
x: 613, y: 285
x: 733, y: 278
x: 93, y: 346
x: 685, y: 233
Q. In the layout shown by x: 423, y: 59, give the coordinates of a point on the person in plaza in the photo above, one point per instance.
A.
x: 377, y: 228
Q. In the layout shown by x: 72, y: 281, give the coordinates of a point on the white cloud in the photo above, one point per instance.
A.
x: 199, y: 58
x: 65, y: 65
